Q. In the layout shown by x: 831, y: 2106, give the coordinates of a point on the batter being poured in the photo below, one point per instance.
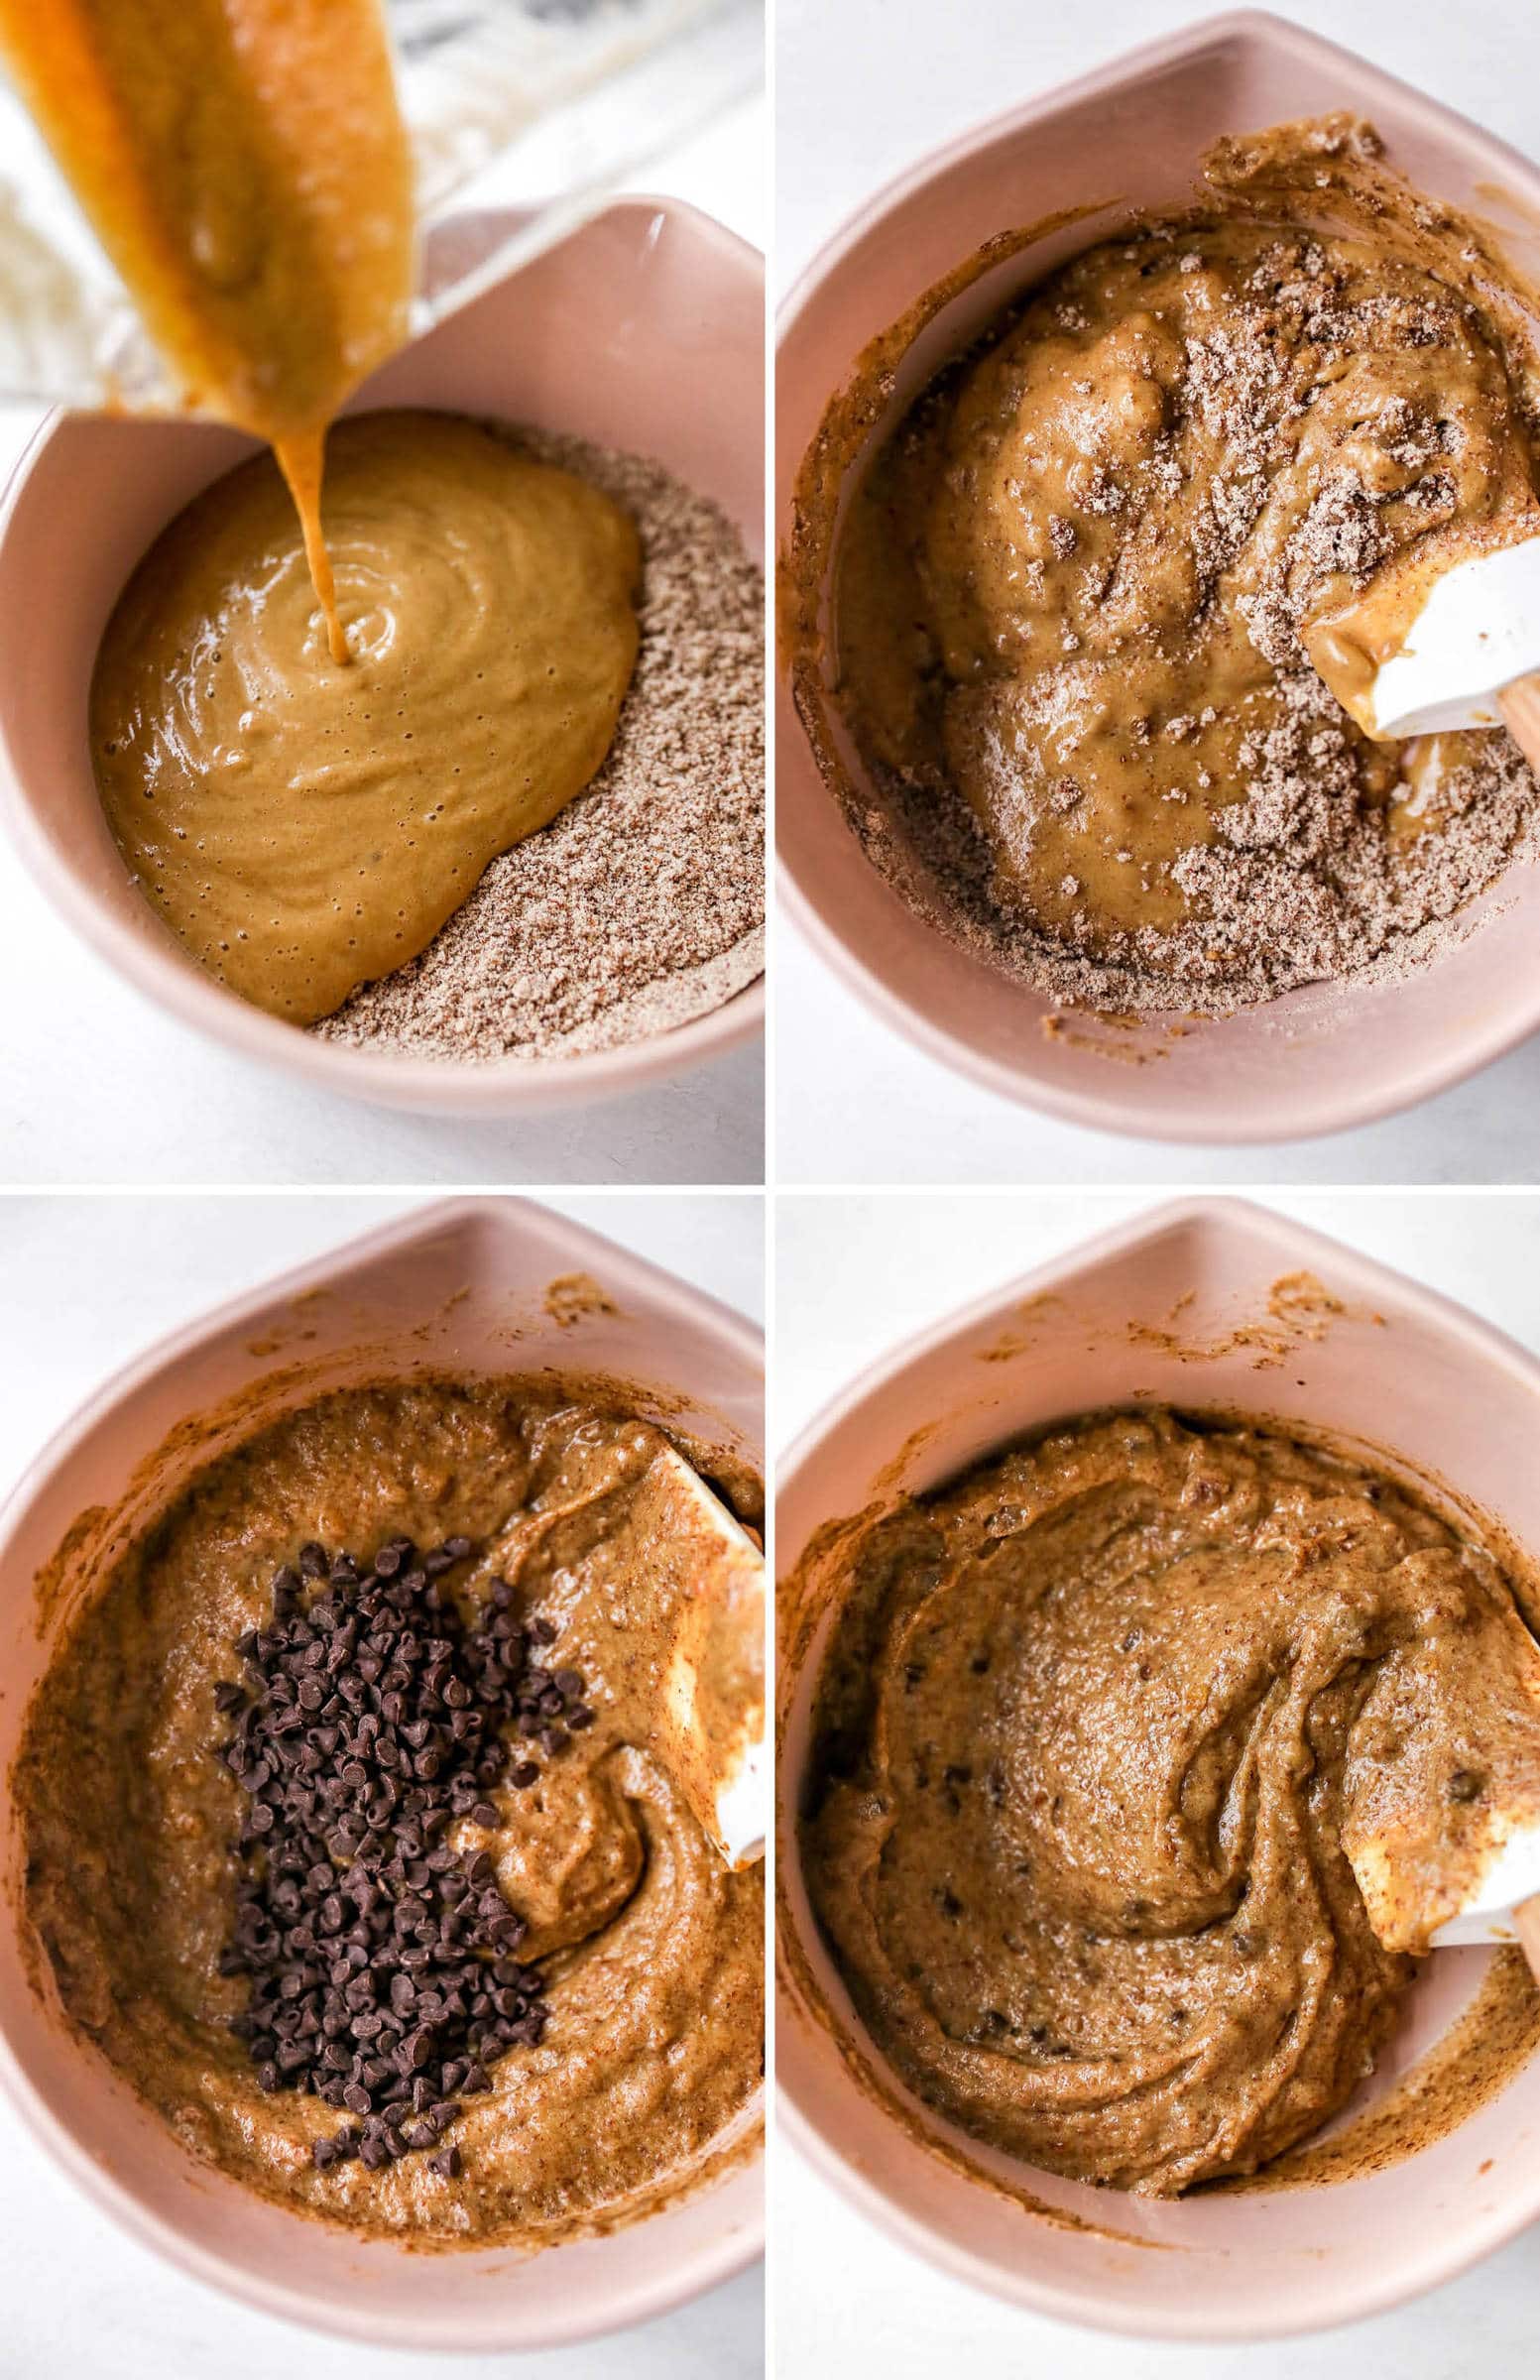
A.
x: 304, y: 829
x: 314, y: 720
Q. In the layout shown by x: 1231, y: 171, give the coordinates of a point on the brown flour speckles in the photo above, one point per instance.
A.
x: 642, y: 905
x: 1030, y: 1316
x: 574, y: 1295
x: 1095, y: 1031
x: 1298, y: 1309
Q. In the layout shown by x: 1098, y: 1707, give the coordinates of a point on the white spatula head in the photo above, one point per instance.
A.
x: 711, y: 1730
x: 1435, y: 637
x: 1442, y: 1824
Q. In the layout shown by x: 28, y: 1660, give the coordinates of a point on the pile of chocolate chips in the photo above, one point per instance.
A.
x: 381, y: 1964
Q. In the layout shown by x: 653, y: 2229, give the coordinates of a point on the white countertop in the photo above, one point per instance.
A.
x: 853, y: 1275
x: 93, y: 2299
x: 864, y: 89
x: 96, y: 1085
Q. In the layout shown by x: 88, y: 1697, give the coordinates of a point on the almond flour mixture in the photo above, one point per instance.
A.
x: 1098, y: 1734
x: 1079, y: 589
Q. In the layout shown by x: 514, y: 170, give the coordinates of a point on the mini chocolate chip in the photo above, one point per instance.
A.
x: 371, y: 1723
x: 1465, y: 1786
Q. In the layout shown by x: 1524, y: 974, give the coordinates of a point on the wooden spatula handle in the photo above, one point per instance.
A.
x: 1520, y: 708
x: 1526, y: 1920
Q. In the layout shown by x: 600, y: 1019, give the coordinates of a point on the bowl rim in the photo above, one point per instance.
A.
x: 1345, y: 2300
x: 311, y: 2307
x: 1306, y: 1115
x: 508, y: 1086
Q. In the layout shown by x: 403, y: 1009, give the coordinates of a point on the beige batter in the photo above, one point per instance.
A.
x: 1096, y: 1733
x: 644, y: 2078
x: 304, y: 830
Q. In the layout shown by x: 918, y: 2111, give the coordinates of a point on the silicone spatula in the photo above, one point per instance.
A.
x: 705, y: 1574
x: 1442, y: 639
x: 712, y: 1726
x: 1446, y: 1857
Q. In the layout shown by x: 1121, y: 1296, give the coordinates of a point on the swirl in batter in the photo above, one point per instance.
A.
x: 1102, y: 1737
x: 643, y: 2081
x: 301, y: 829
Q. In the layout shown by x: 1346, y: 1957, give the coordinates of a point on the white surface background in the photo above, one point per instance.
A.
x: 76, y: 2296
x: 866, y: 88
x: 853, y: 1275
x: 96, y: 1085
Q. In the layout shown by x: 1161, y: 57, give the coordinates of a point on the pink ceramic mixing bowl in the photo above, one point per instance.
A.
x: 459, y: 1285
x: 1419, y: 1382
x: 644, y: 329
x: 1129, y: 137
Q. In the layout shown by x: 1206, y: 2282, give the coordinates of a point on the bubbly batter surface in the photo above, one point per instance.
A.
x: 654, y: 1952
x: 1097, y: 1731
x: 304, y: 829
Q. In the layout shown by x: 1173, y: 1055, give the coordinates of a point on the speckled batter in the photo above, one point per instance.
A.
x: 1103, y: 1733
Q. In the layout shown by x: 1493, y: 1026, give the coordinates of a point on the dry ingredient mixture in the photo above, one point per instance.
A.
x: 363, y: 1868
x: 642, y: 905
x: 1105, y: 1733
x: 1080, y: 586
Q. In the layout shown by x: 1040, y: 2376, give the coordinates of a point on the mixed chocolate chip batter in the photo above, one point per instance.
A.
x: 1103, y: 1735
x: 350, y: 1844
